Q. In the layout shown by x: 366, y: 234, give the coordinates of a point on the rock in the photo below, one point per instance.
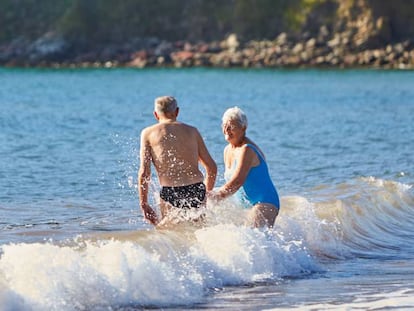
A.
x: 350, y: 60
x: 50, y: 46
x: 282, y: 39
x: 297, y: 48
x: 323, y: 33
x: 336, y: 41
x: 139, y: 59
x: 311, y: 43
x: 163, y: 49
x: 182, y: 56
x: 231, y: 43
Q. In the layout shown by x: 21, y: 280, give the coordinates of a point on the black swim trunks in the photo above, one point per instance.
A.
x: 191, y: 196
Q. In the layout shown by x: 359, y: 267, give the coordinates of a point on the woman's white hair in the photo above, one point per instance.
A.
x: 235, y: 114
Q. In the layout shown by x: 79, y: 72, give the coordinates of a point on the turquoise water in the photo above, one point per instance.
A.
x: 339, y: 146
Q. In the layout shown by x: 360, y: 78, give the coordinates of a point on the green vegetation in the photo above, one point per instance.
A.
x: 94, y: 22
x: 29, y: 18
x: 101, y: 21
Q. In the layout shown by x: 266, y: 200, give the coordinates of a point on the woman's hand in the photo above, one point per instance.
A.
x: 218, y: 194
x: 213, y: 195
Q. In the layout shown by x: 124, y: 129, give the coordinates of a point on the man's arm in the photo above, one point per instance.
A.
x: 144, y: 177
x: 208, y: 163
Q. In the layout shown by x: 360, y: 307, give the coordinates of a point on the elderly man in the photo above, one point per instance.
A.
x: 175, y: 149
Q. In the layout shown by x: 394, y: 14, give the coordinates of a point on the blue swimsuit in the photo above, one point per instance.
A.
x: 258, y: 186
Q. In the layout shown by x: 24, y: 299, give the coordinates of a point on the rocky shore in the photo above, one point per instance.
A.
x: 322, y: 51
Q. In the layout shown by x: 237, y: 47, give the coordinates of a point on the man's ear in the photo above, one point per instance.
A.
x: 156, y: 115
x: 177, y: 111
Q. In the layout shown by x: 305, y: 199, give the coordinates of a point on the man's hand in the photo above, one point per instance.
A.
x: 213, y: 196
x: 149, y: 214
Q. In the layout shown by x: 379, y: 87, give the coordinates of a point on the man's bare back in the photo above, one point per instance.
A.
x: 175, y: 149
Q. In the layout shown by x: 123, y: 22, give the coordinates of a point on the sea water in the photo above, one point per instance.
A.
x: 339, y: 145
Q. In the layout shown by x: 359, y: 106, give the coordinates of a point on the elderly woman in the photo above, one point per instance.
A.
x: 246, y: 172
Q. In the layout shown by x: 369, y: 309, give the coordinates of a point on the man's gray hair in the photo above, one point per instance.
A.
x: 165, y: 104
x: 235, y: 114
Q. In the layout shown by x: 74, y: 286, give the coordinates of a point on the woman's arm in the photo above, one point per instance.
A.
x: 244, y: 160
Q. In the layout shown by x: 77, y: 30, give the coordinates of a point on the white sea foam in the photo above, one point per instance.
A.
x: 178, y: 267
x: 366, y: 217
x: 50, y: 277
x: 399, y: 300
x: 156, y: 272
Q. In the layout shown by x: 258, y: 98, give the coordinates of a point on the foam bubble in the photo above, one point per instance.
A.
x: 158, y: 268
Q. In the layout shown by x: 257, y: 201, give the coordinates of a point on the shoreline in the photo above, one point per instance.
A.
x: 281, y: 53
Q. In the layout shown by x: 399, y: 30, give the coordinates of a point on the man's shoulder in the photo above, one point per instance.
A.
x: 149, y: 128
x: 155, y: 128
x: 188, y: 126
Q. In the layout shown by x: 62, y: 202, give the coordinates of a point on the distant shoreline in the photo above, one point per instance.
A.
x: 283, y: 52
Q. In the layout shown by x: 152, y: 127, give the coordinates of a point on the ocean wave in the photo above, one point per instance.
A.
x: 366, y: 217
x: 146, y: 268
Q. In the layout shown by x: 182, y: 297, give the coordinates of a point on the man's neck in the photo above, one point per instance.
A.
x: 167, y: 120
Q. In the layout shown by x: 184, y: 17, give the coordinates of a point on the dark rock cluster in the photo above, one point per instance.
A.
x: 336, y: 51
